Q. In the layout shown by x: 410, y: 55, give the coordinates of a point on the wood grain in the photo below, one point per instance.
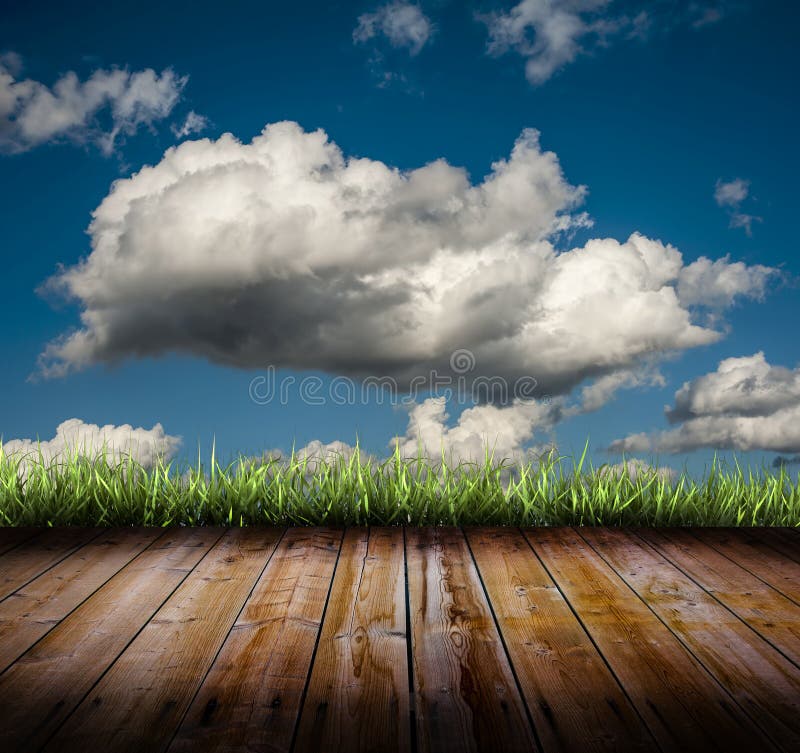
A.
x: 575, y: 700
x: 50, y: 680
x: 266, y: 640
x: 139, y: 702
x: 748, y: 548
x: 358, y: 695
x: 250, y: 700
x: 13, y: 537
x: 684, y: 708
x: 765, y: 610
x: 783, y: 540
x: 466, y: 696
x: 36, y: 608
x: 761, y: 680
x: 21, y: 564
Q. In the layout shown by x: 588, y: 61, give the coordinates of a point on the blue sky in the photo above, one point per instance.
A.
x: 239, y: 253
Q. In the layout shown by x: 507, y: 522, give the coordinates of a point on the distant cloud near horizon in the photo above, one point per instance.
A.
x: 730, y: 195
x: 75, y: 437
x: 746, y: 404
x: 32, y: 113
x: 504, y: 432
x: 637, y: 467
x: 550, y: 34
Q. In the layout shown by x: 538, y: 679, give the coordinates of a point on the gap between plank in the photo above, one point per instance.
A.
x: 683, y: 643
x: 703, y: 588
x: 503, y: 644
x: 592, y: 640
x: 127, y: 645
x: 302, y: 703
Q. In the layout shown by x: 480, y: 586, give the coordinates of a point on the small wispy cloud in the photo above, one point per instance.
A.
x: 32, y: 113
x: 550, y: 34
x: 193, y: 123
x: 730, y: 195
x: 402, y: 24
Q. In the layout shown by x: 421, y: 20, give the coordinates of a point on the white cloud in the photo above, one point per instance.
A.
x: 558, y: 28
x: 636, y: 467
x: 282, y: 252
x: 746, y: 404
x: 596, y: 394
x: 74, y: 437
x: 744, y: 221
x: 402, y: 24
x: 32, y: 113
x: 194, y: 123
x: 719, y: 283
x: 730, y: 195
x: 550, y: 34
x: 503, y: 431
x: 506, y: 432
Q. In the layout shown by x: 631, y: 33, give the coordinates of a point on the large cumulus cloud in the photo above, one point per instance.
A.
x: 283, y: 252
x: 746, y: 404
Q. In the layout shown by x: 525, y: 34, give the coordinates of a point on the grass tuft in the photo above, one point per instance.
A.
x: 359, y: 490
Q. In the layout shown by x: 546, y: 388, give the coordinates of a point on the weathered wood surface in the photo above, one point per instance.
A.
x: 385, y: 639
x: 765, y: 610
x: 765, y: 684
x: 250, y: 700
x: 62, y: 667
x: 21, y: 564
x: 466, y: 696
x: 31, y: 611
x: 141, y: 699
x: 685, y: 709
x: 357, y: 698
x: 575, y: 700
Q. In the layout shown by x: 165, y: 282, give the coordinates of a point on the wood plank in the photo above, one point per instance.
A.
x: 250, y: 699
x: 36, y: 608
x: 783, y: 540
x: 31, y: 558
x: 762, y: 681
x: 358, y: 695
x: 49, y: 681
x: 747, y: 548
x: 139, y: 702
x: 575, y: 700
x: 11, y: 537
x: 466, y: 696
x: 768, y: 612
x: 684, y: 708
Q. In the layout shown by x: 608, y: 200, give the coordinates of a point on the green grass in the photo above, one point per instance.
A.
x: 362, y: 491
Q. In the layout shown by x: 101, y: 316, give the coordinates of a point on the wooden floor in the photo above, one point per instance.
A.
x: 391, y: 639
